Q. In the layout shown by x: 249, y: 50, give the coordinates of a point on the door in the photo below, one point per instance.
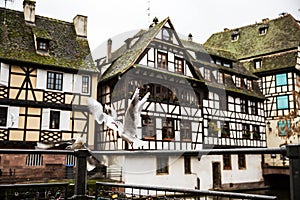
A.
x: 216, y: 169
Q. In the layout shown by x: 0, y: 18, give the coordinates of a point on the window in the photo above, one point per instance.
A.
x: 282, y: 102
x: 284, y: 126
x: 167, y: 35
x: 235, y: 36
x: 281, y: 79
x: 244, y: 106
x: 220, y: 78
x: 54, y: 81
x: 255, y: 132
x: 262, y: 30
x: 187, y: 165
x: 3, y: 116
x: 162, y: 60
x: 245, y: 131
x: 179, y: 65
x: 34, y: 160
x: 85, y: 84
x: 148, y: 127
x: 225, y: 132
x: 162, y: 165
x: 253, y: 107
x: 42, y: 45
x: 213, y: 129
x: 226, y: 161
x: 238, y: 82
x: 242, y: 161
x: 257, y: 64
x: 185, y: 130
x: 168, y: 129
x: 207, y: 74
x: 54, y: 119
x: 249, y: 84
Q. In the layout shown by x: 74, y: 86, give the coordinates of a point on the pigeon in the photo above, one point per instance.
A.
x: 128, y: 129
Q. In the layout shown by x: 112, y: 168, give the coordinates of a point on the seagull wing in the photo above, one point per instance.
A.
x: 136, y: 142
x: 96, y: 109
x: 110, y: 111
x: 131, y: 115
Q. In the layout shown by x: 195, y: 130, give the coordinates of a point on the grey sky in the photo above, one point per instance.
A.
x: 107, y: 18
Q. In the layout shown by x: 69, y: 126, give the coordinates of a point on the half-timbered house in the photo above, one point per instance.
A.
x: 270, y: 49
x: 46, y: 76
x: 197, y: 101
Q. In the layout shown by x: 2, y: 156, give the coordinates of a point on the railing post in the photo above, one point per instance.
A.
x: 293, y: 153
x: 81, y: 174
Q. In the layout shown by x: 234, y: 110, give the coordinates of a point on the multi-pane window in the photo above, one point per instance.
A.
x: 257, y: 64
x: 162, y: 60
x: 253, y: 107
x: 246, y: 131
x: 225, y: 132
x: 242, y: 161
x: 162, y: 165
x: 54, y: 119
x: 42, y: 45
x: 3, y: 116
x: 226, y: 161
x: 249, y: 84
x: 34, y: 160
x: 282, y: 102
x: 255, y: 132
x: 179, y: 65
x: 281, y: 79
x: 220, y: 78
x: 148, y: 127
x: 54, y: 81
x: 284, y: 126
x: 85, y: 84
x: 244, y: 106
x: 168, y: 129
x: 185, y: 130
x: 187, y: 165
x: 207, y: 74
x: 238, y: 82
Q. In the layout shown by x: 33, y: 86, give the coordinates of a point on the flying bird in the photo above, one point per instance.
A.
x: 128, y: 129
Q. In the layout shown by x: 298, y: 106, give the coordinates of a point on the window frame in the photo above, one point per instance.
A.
x: 147, y: 125
x: 244, y: 106
x: 245, y: 131
x: 168, y: 129
x: 54, y: 118
x: 242, y: 164
x: 186, y: 130
x: 284, y: 123
x: 187, y: 165
x: 238, y: 82
x: 207, y: 74
x: 220, y: 77
x: 52, y: 82
x: 42, y: 45
x: 279, y: 99
x: 278, y: 79
x: 162, y: 60
x: 162, y: 165
x: 85, y: 87
x: 178, y: 65
x: 257, y: 63
x: 227, y: 165
x: 3, y: 116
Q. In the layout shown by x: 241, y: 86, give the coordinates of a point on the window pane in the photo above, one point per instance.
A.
x: 284, y: 126
x: 85, y: 84
x: 281, y: 79
x: 3, y: 116
x: 187, y: 164
x: 162, y: 165
x: 54, y: 119
x: 282, y: 102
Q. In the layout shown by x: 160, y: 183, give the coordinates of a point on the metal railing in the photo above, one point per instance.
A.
x: 80, y: 186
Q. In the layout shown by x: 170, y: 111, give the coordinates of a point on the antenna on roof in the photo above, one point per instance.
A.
x: 5, y: 2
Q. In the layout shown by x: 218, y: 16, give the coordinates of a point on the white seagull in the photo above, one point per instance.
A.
x: 127, y: 130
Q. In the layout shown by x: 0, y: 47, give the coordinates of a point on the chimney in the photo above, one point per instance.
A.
x: 80, y: 23
x: 190, y: 37
x: 29, y: 11
x: 109, y: 45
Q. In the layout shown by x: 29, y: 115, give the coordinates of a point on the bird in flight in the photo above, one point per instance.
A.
x: 128, y: 129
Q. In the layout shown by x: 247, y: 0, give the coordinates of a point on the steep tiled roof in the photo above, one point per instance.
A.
x: 66, y: 50
x: 282, y: 33
x: 128, y: 58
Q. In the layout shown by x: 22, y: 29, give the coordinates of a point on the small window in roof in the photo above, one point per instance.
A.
x: 42, y: 44
x: 235, y: 36
x: 257, y: 64
x: 262, y: 30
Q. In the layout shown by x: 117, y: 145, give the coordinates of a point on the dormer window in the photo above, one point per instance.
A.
x: 167, y: 35
x: 220, y: 78
x: 249, y: 84
x: 179, y: 65
x: 238, y: 83
x: 263, y: 30
x: 235, y: 36
x: 257, y: 64
x: 207, y: 74
x: 162, y: 60
x: 42, y: 45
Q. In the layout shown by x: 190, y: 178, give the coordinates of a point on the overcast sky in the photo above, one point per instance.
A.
x: 108, y: 18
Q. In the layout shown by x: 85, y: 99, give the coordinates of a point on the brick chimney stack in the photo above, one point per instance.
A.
x: 29, y: 11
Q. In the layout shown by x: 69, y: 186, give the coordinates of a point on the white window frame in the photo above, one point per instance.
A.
x: 4, y: 74
x: 77, y: 86
x: 12, y: 117
x: 64, y: 120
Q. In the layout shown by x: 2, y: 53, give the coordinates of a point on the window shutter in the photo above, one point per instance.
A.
x: 13, y: 117
x: 45, y: 119
x: 67, y: 82
x: 64, y: 120
x: 77, y: 83
x: 41, y: 79
x: 4, y: 74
